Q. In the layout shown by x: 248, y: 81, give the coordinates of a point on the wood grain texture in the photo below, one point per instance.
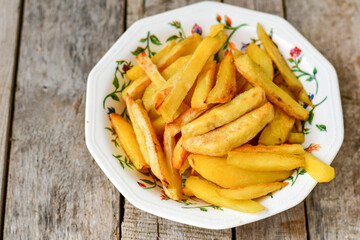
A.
x: 55, y: 189
x: 9, y: 22
x: 138, y: 224
x: 333, y: 210
x: 290, y: 224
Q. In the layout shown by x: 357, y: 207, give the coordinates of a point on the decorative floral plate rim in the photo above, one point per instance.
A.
x: 126, y: 183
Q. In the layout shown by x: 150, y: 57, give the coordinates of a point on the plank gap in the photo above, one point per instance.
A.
x: 121, y: 214
x: 233, y: 234
x: 284, y: 8
x: 11, y: 114
x: 306, y: 222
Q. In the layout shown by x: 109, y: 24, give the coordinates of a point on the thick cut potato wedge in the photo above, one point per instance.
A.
x: 173, y: 100
x: 276, y: 132
x: 179, y: 155
x: 216, y: 28
x: 127, y: 139
x: 265, y: 161
x: 261, y: 58
x: 159, y: 126
x: 186, y: 191
x: 317, y: 169
x: 289, y: 77
x: 240, y: 82
x: 221, y: 140
x: 251, y: 191
x: 184, y: 167
x: 175, y: 66
x: 252, y: 72
x: 195, y: 43
x: 173, y: 189
x: 223, y: 114
x: 295, y: 138
x: 204, y: 84
x: 136, y: 72
x: 154, y: 152
x: 225, y: 85
x: 215, y: 169
x: 150, y: 69
x: 184, y: 118
x: 281, y: 149
x: 207, y: 191
x: 137, y: 88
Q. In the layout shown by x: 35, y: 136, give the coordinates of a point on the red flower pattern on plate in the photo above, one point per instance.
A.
x: 141, y: 184
x: 228, y: 21
x: 196, y: 29
x: 313, y: 147
x: 295, y: 52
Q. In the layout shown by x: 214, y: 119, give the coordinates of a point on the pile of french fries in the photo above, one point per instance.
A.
x: 232, y: 127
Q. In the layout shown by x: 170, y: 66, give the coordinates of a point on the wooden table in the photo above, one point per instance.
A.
x: 51, y: 188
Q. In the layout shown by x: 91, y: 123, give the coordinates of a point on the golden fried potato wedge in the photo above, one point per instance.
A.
x: 184, y: 167
x: 276, y: 132
x: 146, y: 134
x: 290, y: 78
x: 317, y: 169
x: 216, y: 28
x: 240, y: 82
x: 261, y: 58
x: 221, y: 140
x: 251, y: 191
x: 195, y: 43
x: 223, y: 114
x: 295, y: 138
x: 173, y: 189
x: 186, y: 191
x: 204, y: 84
x: 207, y: 191
x: 265, y: 161
x: 136, y: 71
x: 225, y: 85
x: 215, y: 169
x: 137, y: 88
x: 179, y: 155
x: 252, y: 72
x: 150, y: 69
x: 127, y: 139
x: 173, y: 100
x: 159, y: 126
x: 280, y: 149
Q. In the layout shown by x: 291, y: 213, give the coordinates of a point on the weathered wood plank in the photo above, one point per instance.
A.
x: 138, y: 224
x: 55, y: 189
x: 9, y: 22
x: 333, y: 209
x: 290, y: 224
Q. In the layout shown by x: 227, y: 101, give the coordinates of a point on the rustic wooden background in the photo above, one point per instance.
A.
x: 51, y: 188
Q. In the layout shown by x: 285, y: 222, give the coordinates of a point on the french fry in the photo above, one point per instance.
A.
x: 223, y: 114
x: 225, y: 85
x: 317, y: 169
x: 147, y: 137
x: 280, y: 149
x: 184, y: 167
x: 186, y: 191
x: 216, y: 28
x: 221, y: 140
x: 127, y: 139
x: 240, y: 82
x: 276, y: 95
x: 159, y: 126
x: 251, y: 191
x: 265, y: 161
x: 190, y: 94
x: 150, y: 69
x: 184, y: 118
x: 207, y: 191
x: 295, y: 138
x: 171, y: 70
x: 181, y: 88
x: 299, y: 126
x: 138, y: 86
x: 290, y: 78
x: 204, y: 84
x: 277, y: 130
x: 173, y: 189
x: 179, y: 155
x: 261, y: 58
x: 216, y: 170
x: 136, y: 72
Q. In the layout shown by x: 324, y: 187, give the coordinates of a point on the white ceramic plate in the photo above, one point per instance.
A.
x: 325, y: 133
